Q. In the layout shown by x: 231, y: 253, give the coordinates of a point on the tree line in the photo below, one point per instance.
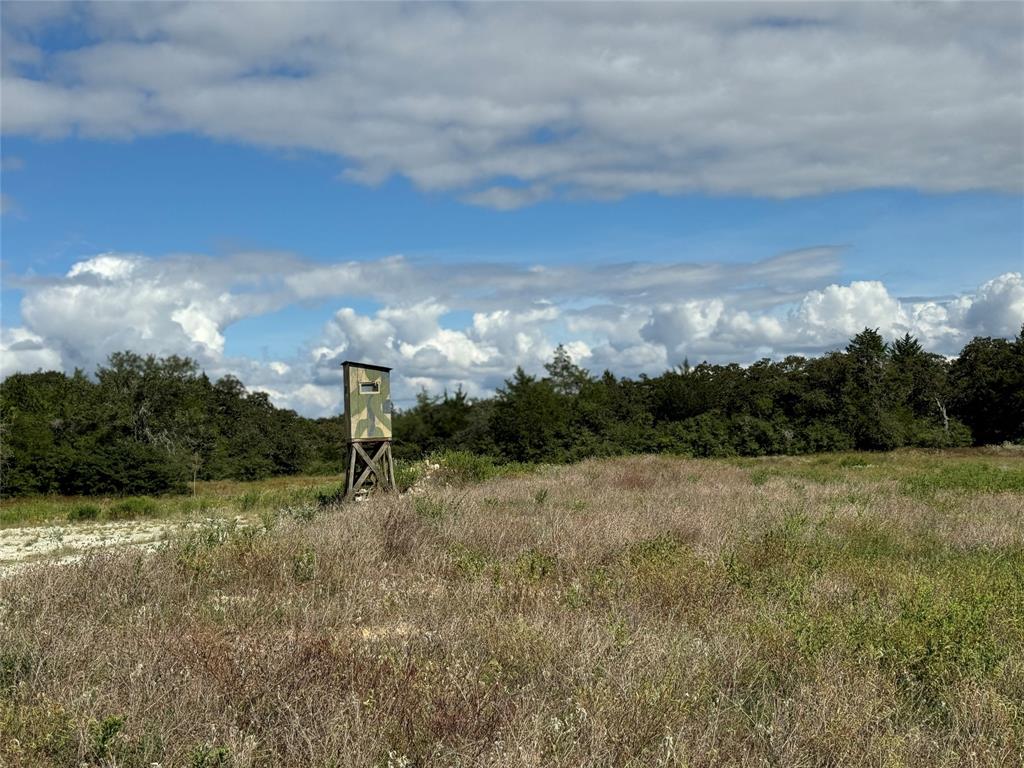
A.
x: 149, y: 425
x: 869, y: 396
x: 152, y: 425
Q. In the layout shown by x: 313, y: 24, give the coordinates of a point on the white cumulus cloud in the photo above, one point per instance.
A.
x: 438, y: 330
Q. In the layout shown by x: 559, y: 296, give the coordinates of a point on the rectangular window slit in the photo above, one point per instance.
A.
x: 369, y: 387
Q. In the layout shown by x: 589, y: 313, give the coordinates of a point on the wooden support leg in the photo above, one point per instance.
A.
x: 350, y: 478
x: 392, y: 483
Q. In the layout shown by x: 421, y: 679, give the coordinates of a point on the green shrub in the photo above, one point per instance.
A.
x: 134, y: 507
x: 102, y: 735
x: 534, y: 565
x: 207, y: 756
x: 83, y: 512
x: 470, y: 563
x: 463, y: 467
x: 330, y: 496
x: 249, y: 500
x: 407, y: 474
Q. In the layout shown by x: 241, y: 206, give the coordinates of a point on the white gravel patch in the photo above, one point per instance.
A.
x: 23, y: 547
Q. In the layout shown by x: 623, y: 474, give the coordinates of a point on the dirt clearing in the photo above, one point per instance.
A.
x: 22, y: 547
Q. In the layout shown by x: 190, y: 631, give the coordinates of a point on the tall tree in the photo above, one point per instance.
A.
x: 988, y: 388
x: 565, y: 376
x: 869, y: 404
x: 530, y: 421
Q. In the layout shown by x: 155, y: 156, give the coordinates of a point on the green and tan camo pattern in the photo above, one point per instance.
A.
x: 365, y: 414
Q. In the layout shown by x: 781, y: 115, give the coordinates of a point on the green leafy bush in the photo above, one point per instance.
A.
x: 131, y: 508
x: 102, y: 735
x: 207, y: 756
x: 83, y: 512
x: 462, y: 467
x: 330, y: 496
x: 407, y: 474
x: 249, y: 500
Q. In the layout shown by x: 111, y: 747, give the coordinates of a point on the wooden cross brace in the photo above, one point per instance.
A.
x: 380, y: 464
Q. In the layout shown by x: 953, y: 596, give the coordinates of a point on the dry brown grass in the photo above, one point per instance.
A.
x: 640, y: 611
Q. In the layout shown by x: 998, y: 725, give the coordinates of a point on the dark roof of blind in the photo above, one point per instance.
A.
x: 371, y: 366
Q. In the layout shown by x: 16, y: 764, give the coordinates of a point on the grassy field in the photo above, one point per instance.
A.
x: 231, y: 498
x: 853, y: 609
x: 222, y: 498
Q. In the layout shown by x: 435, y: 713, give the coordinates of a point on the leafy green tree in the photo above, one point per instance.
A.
x: 434, y: 423
x: 609, y: 417
x: 919, y: 383
x: 566, y: 377
x: 987, y: 381
x: 530, y: 420
x: 869, y: 404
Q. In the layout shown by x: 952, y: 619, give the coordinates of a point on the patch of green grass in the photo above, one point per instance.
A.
x: 867, y: 538
x: 102, y: 734
x: 44, y: 733
x: 429, y: 508
x: 938, y: 629
x: 213, y: 497
x: 855, y: 461
x: 15, y: 667
x: 925, y: 614
x: 198, y: 505
x: 31, y: 511
x: 966, y: 477
x: 661, y: 550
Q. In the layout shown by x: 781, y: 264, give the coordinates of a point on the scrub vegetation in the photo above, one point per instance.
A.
x: 843, y: 609
x: 149, y: 426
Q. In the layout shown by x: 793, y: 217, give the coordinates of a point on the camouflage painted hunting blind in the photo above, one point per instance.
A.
x: 367, y: 401
x: 367, y: 427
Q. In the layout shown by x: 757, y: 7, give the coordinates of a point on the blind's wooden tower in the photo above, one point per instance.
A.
x: 368, y: 427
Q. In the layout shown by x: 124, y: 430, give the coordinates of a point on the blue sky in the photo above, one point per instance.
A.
x: 272, y: 199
